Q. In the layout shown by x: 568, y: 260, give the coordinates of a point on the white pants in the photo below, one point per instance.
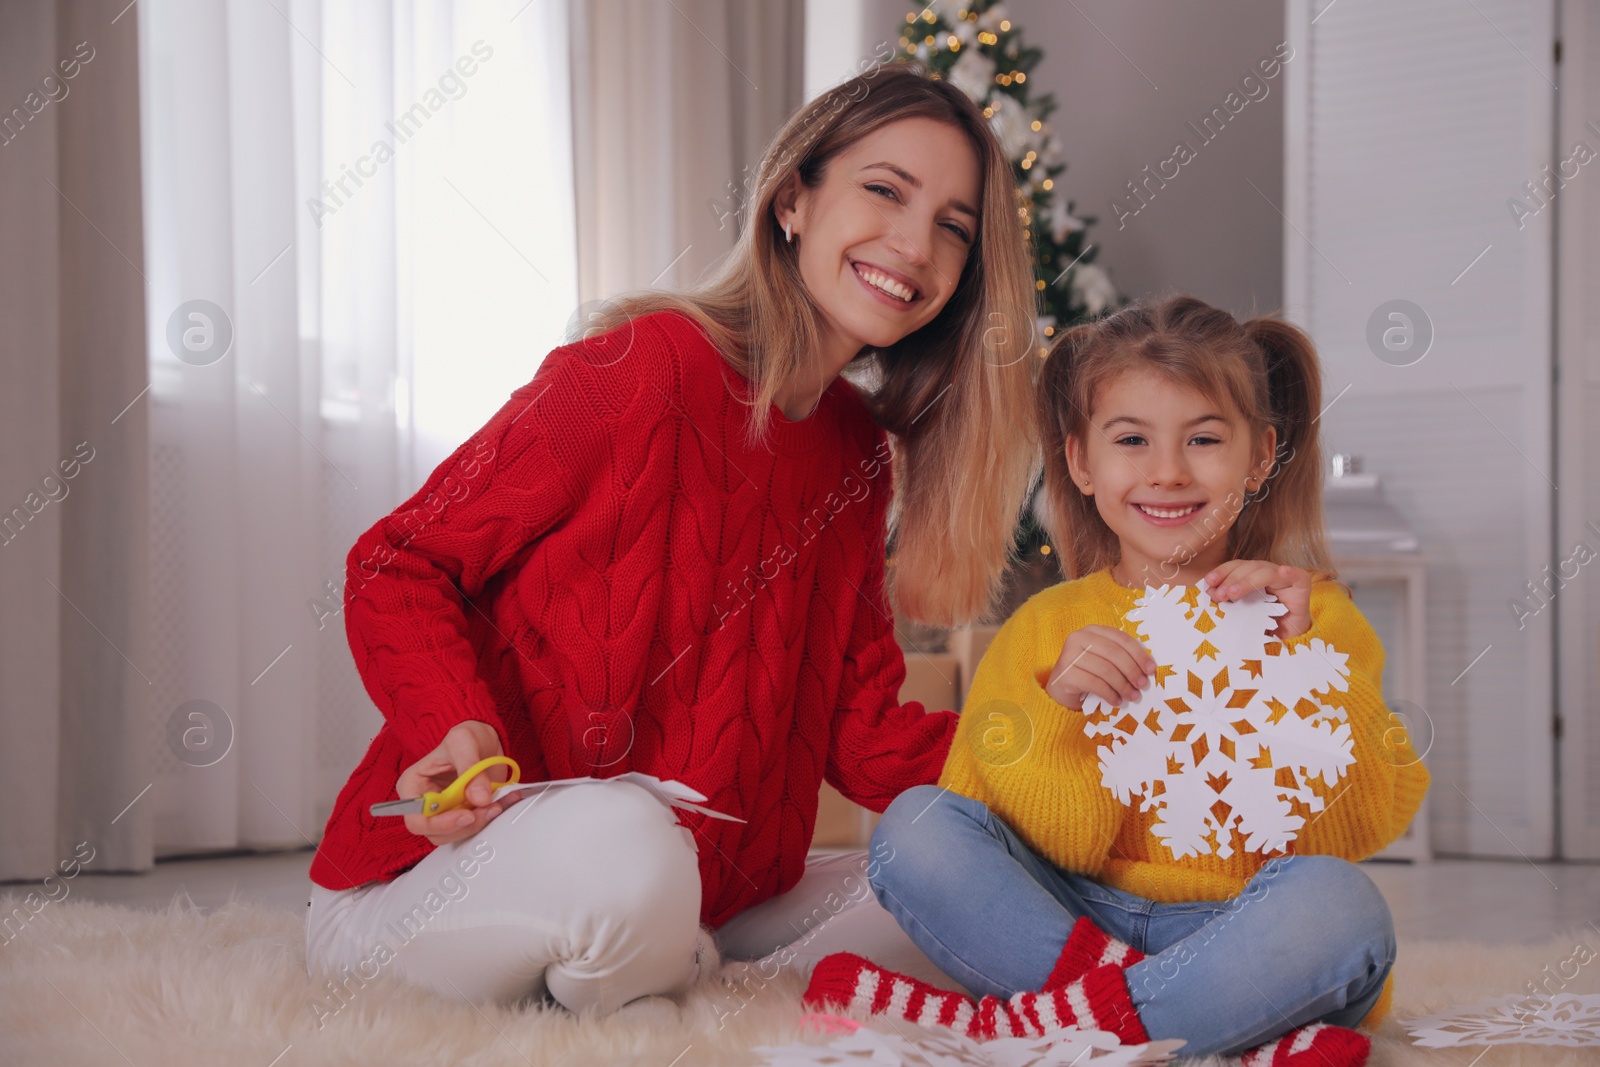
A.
x: 590, y: 893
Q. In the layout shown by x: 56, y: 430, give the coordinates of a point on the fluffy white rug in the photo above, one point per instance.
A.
x: 84, y: 983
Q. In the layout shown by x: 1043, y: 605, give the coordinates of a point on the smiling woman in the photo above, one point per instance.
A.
x: 883, y: 248
x: 882, y: 240
x: 674, y: 560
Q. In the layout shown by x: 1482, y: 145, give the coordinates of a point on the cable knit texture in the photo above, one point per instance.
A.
x: 1053, y: 799
x: 612, y: 579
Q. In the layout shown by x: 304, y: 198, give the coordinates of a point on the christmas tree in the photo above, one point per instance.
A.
x: 977, y: 48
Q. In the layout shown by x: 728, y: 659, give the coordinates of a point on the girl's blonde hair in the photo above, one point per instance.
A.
x: 1267, y: 367
x: 955, y: 396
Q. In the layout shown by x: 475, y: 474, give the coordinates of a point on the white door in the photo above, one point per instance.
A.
x: 1577, y: 543
x: 1410, y: 132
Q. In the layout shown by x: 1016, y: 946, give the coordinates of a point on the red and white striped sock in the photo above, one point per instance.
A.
x: 1089, y: 947
x: 1316, y: 1045
x: 1098, y: 1000
x: 845, y: 980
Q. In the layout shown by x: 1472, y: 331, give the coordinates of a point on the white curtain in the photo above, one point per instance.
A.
x: 273, y: 261
x: 376, y: 202
x: 674, y: 102
x: 74, y: 650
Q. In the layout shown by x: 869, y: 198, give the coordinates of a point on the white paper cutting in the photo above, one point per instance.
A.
x: 1571, y: 1020
x: 886, y: 1043
x: 670, y: 792
x: 1230, y: 734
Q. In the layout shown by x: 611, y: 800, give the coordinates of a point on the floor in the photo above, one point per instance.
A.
x: 1494, y: 901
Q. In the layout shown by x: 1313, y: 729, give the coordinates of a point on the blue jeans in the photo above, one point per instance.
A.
x: 1308, y: 938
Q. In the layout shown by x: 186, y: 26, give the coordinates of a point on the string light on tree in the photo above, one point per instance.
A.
x: 977, y: 48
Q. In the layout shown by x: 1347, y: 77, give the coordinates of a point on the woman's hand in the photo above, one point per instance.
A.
x: 1291, y: 585
x: 464, y: 745
x: 1107, y: 662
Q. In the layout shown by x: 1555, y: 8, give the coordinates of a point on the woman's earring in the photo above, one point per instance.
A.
x: 788, y: 234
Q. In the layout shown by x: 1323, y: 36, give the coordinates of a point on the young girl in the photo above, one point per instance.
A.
x: 1180, y: 449
x: 666, y: 554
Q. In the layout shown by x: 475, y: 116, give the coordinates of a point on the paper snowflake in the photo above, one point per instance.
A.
x: 883, y: 1042
x: 1228, y: 738
x: 1568, y: 1019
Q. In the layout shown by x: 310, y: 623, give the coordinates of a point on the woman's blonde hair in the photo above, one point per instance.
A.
x: 1267, y: 367
x: 956, y: 396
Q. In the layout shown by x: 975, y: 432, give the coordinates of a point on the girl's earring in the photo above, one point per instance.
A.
x: 788, y: 233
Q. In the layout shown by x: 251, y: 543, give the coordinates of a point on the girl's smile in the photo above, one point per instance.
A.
x: 1168, y: 515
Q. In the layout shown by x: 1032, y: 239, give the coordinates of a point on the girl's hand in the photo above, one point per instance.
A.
x: 1107, y: 662
x: 1291, y: 585
x: 464, y: 745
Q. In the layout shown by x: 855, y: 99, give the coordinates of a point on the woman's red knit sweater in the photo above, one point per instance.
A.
x: 613, y: 580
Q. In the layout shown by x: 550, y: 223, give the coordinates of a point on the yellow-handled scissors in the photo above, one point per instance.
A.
x: 454, y: 795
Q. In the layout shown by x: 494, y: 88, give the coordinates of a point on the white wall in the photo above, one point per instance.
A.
x: 837, y: 38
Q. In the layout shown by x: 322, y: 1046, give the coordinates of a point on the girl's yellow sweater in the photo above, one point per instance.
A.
x: 1031, y: 762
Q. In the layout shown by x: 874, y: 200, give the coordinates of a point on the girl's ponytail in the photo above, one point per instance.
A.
x: 1288, y: 503
x: 1294, y: 377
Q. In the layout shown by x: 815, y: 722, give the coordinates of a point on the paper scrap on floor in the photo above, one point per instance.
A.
x: 1571, y: 1020
x: 885, y: 1043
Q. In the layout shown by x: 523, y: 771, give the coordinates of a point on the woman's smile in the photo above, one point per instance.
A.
x: 886, y: 286
x: 898, y: 211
